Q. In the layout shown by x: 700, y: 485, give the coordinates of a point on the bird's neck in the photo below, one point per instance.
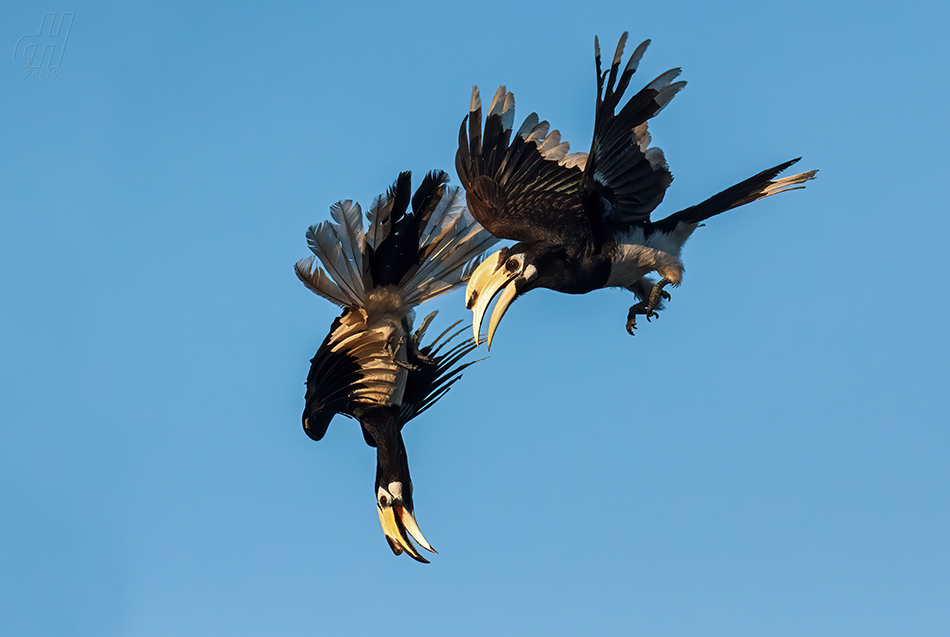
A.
x: 391, y: 460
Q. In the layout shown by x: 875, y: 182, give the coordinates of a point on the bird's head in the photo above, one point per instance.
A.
x: 513, y: 272
x: 394, y: 500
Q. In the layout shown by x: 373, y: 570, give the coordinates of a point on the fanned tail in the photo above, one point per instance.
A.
x: 420, y: 253
x: 451, y: 240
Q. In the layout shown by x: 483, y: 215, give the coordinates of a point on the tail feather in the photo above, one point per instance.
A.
x: 318, y: 282
x: 441, y: 220
x: 378, y: 220
x: 446, y: 258
x: 428, y: 196
x: 752, y: 189
x: 391, y: 257
x: 332, y: 249
x: 423, y: 252
x: 349, y: 230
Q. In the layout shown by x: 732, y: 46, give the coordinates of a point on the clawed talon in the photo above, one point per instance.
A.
x: 647, y: 309
x: 639, y: 308
x: 655, y: 297
x: 631, y: 323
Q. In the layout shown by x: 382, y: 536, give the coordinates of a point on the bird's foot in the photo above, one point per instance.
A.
x: 655, y: 295
x: 639, y: 308
x: 643, y: 309
x: 631, y: 324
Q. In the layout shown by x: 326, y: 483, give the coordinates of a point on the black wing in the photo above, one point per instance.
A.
x: 531, y: 189
x: 357, y: 364
x: 356, y: 367
x: 627, y: 175
x: 434, y: 373
x: 330, y: 381
x: 526, y: 190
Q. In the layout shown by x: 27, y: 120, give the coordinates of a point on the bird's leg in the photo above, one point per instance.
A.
x: 642, y: 289
x: 632, y: 317
x: 655, y: 297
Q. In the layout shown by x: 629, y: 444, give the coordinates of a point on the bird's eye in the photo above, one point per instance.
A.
x: 383, y: 500
x: 513, y: 264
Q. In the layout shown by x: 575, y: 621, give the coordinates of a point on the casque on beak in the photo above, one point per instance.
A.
x: 398, y: 524
x: 490, y: 277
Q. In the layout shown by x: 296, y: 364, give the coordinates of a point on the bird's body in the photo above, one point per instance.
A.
x: 372, y: 366
x: 582, y: 220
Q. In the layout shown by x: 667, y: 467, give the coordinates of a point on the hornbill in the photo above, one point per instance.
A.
x: 371, y: 366
x: 582, y: 220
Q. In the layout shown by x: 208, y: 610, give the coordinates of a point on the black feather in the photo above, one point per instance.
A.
x: 753, y: 188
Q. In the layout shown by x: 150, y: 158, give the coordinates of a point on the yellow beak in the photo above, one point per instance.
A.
x: 396, y: 520
x: 487, y: 280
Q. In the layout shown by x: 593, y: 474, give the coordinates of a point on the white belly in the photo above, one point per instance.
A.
x: 636, y: 256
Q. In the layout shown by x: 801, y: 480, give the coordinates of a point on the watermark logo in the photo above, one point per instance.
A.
x: 42, y: 53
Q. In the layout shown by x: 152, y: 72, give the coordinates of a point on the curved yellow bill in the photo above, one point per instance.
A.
x: 497, y: 281
x: 482, y: 287
x: 481, y: 274
x: 395, y: 530
x: 507, y: 296
x: 487, y: 286
x: 408, y: 521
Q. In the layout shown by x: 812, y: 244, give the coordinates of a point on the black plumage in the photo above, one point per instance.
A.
x: 582, y: 220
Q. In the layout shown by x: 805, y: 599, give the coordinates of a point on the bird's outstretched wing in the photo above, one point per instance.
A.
x: 627, y: 175
x: 529, y: 188
x: 364, y: 363
x: 526, y: 188
x: 434, y: 370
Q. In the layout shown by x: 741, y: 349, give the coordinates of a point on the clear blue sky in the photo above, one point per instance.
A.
x: 769, y: 458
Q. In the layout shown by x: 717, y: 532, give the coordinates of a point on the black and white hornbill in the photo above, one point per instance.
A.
x: 582, y: 220
x: 371, y: 366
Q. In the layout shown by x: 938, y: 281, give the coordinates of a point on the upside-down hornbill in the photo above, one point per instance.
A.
x: 371, y: 366
x: 582, y: 220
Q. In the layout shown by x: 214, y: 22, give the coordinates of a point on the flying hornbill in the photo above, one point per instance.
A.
x: 371, y: 366
x: 582, y: 220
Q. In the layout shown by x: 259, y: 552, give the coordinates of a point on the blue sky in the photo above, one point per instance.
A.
x: 769, y: 458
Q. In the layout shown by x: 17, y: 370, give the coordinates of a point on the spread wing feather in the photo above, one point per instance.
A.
x: 436, y: 372
x: 517, y: 188
x: 528, y: 187
x: 631, y: 177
